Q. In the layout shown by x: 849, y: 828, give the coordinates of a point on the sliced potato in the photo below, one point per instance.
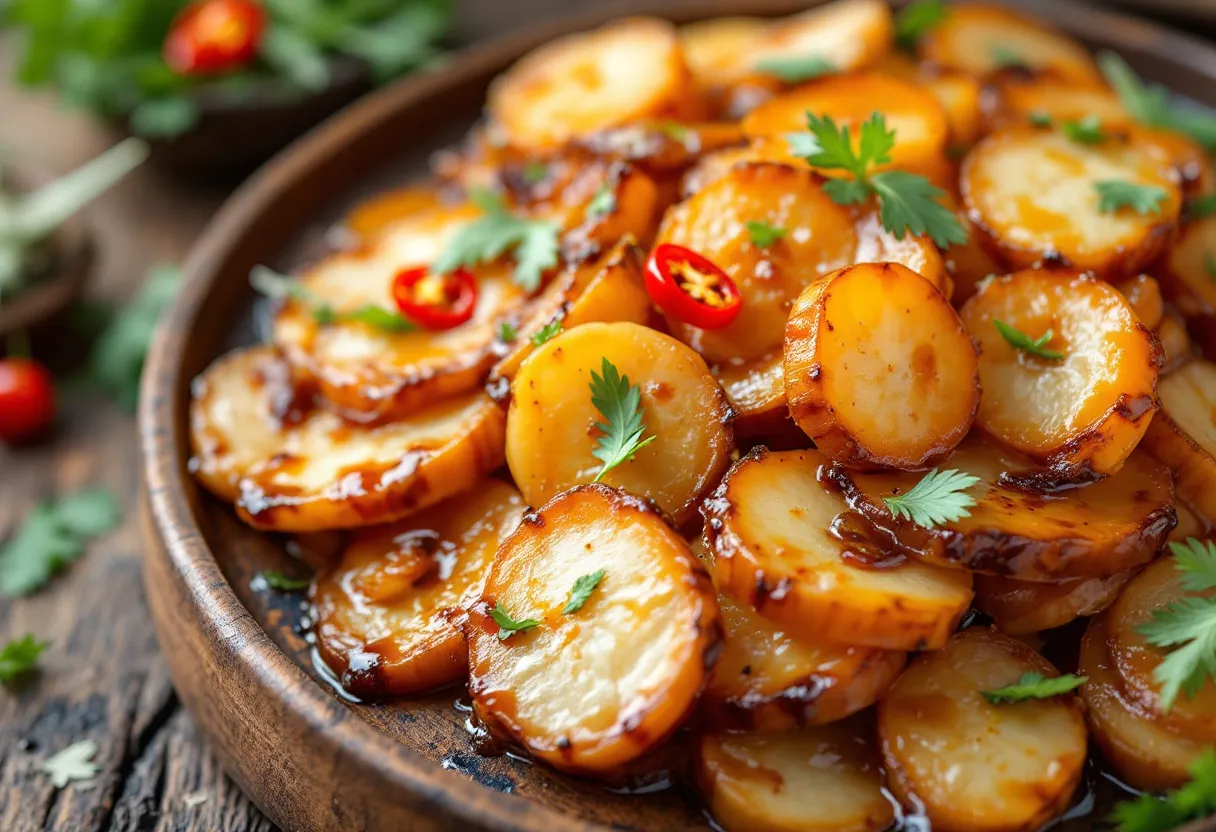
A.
x: 374, y: 215
x: 1049, y: 210
x: 712, y: 48
x: 1018, y: 530
x: 1154, y: 589
x: 1019, y: 97
x: 1190, y: 524
x: 608, y: 289
x: 1142, y: 751
x: 370, y: 373
x: 1176, y: 345
x: 877, y: 245
x: 551, y: 425
x: 1022, y: 607
x: 637, y: 649
x: 1183, y: 434
x: 663, y: 147
x: 880, y: 385
x: 625, y: 71
x: 756, y: 392
x: 785, y: 543
x: 916, y: 116
x: 387, y: 614
x: 982, y: 39
x: 971, y: 764
x: 1193, y: 288
x: 850, y: 34
x: 769, y: 680
x: 1086, y: 411
x: 821, y: 779
x: 968, y: 263
x: 960, y: 97
x: 1143, y: 293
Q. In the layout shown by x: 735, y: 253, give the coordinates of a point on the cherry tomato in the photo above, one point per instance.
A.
x: 691, y: 288
x: 435, y: 301
x: 27, y: 400
x: 212, y: 36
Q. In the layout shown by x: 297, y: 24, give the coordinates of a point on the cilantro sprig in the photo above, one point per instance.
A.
x: 547, y: 332
x: 795, y: 70
x: 620, y: 403
x: 283, y: 583
x: 1032, y: 346
x: 53, y: 535
x: 1196, y: 799
x: 1151, y: 105
x: 581, y: 591
x: 533, y: 243
x: 274, y: 285
x: 916, y: 19
x: 20, y: 656
x: 1187, y: 626
x: 1086, y: 130
x: 908, y: 202
x: 1034, y: 686
x: 507, y: 332
x: 763, y: 234
x: 940, y: 497
x: 1115, y: 195
x: 508, y: 626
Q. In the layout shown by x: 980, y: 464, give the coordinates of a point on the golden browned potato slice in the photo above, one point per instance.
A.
x: 1176, y: 343
x: 1143, y: 293
x: 1018, y: 530
x: 592, y: 688
x: 1049, y: 208
x: 712, y: 48
x: 819, y: 237
x: 1021, y: 97
x: 608, y: 289
x: 1157, y: 587
x: 821, y: 779
x: 663, y: 147
x: 916, y: 116
x: 877, y: 245
x: 1143, y: 752
x: 880, y: 385
x: 1022, y: 607
x: 627, y: 70
x: 1190, y: 524
x: 769, y: 680
x: 372, y: 373
x: 1183, y: 434
x: 785, y: 543
x: 960, y: 96
x: 982, y: 39
x: 849, y: 34
x: 970, y: 262
x: 1085, y: 410
x: 551, y: 425
x: 374, y: 215
x: 975, y: 766
x: 387, y: 614
x: 1190, y: 265
x: 756, y: 391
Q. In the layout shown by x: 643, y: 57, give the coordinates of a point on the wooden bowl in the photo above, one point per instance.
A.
x: 238, y: 656
x: 62, y: 282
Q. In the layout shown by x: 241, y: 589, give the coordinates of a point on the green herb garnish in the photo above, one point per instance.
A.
x: 620, y: 403
x: 581, y: 591
x: 1023, y: 342
x: 936, y: 499
x: 1034, y: 686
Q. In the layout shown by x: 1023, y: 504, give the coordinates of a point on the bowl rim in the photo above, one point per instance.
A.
x: 163, y: 409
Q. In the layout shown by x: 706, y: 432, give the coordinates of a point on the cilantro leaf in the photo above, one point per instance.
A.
x: 1115, y: 194
x: 508, y: 626
x: 278, y: 581
x: 53, y: 535
x: 938, y: 498
x: 547, y: 332
x: 1039, y: 118
x: 534, y: 242
x: 1006, y: 58
x: 20, y: 656
x: 1188, y: 625
x: 794, y: 70
x: 1033, y: 346
x: 1202, y: 207
x: 1087, y: 130
x: 377, y: 317
x: 917, y: 18
x: 909, y: 202
x: 581, y: 591
x: 1150, y: 104
x: 72, y: 763
x: 274, y: 285
x: 507, y: 332
x: 1034, y: 686
x: 764, y: 235
x: 603, y: 203
x: 1196, y: 799
x: 620, y: 403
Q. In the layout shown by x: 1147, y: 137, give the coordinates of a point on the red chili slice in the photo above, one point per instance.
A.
x: 691, y: 288
x: 212, y: 36
x: 435, y: 301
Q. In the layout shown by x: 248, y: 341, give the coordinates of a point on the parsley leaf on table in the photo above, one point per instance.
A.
x: 283, y: 583
x: 508, y: 626
x: 1034, y: 686
x: 53, y: 535
x: 581, y: 591
x: 1196, y: 799
x: 547, y: 332
x: 794, y: 70
x: 908, y: 202
x: 274, y: 285
x: 72, y: 763
x: 1023, y: 342
x: 534, y: 243
x: 620, y: 403
x: 764, y: 235
x: 1151, y: 105
x: 916, y: 19
x: 1115, y: 194
x: 1188, y: 625
x: 20, y: 656
x: 938, y: 498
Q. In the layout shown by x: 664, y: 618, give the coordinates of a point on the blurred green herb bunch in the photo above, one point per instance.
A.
x: 145, y: 60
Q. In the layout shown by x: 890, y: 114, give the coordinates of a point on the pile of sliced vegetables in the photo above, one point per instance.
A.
x: 802, y: 348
